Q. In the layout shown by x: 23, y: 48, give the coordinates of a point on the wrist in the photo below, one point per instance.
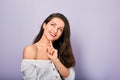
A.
x: 55, y: 60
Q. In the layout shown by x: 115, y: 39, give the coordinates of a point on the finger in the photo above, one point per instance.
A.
x: 52, y: 51
x: 49, y: 49
x: 49, y: 55
x: 56, y: 51
x: 51, y: 43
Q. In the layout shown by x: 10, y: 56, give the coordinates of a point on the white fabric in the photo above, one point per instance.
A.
x: 42, y: 70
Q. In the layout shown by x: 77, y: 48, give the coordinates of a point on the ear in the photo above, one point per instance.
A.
x: 44, y: 25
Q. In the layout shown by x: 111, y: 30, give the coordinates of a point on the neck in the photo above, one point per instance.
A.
x: 43, y: 41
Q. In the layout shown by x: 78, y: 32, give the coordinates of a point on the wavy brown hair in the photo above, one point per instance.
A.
x: 63, y: 44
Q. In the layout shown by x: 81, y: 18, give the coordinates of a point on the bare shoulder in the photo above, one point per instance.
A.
x: 29, y: 52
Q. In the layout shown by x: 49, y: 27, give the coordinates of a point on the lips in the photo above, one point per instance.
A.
x: 52, y: 34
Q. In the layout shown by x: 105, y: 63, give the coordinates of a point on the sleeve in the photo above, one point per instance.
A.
x: 71, y: 75
x: 28, y: 70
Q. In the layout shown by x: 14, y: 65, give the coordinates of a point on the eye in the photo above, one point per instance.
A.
x: 52, y: 24
x: 60, y: 29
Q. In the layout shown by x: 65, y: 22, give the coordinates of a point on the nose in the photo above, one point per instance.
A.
x: 55, y: 29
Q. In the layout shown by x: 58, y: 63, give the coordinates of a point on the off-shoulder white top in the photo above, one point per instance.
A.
x: 42, y: 70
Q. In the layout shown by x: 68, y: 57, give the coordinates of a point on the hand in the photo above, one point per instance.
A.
x: 52, y: 52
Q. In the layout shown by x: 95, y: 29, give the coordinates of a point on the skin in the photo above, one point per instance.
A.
x: 44, y: 50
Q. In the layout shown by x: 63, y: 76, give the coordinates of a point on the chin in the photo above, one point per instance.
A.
x: 52, y: 39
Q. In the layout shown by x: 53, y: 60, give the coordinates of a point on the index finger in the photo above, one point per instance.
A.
x: 51, y: 43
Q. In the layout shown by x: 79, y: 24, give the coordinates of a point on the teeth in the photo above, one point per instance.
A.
x: 52, y: 34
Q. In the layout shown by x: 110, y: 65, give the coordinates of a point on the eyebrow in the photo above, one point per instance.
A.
x: 56, y: 24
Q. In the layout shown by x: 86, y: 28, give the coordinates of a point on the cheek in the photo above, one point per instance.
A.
x: 47, y: 27
x: 59, y: 34
x: 46, y: 32
x: 57, y: 37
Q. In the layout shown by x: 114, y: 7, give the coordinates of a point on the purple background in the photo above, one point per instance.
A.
x: 95, y: 35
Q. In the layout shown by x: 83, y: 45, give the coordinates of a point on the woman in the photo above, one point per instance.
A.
x: 50, y: 56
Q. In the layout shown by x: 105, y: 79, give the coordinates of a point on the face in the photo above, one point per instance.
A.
x: 53, y: 29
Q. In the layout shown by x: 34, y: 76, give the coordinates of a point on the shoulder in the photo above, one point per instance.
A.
x: 29, y: 52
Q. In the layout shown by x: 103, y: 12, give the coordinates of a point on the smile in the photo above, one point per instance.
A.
x: 52, y: 34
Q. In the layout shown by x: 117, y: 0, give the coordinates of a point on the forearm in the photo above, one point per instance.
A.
x: 61, y: 68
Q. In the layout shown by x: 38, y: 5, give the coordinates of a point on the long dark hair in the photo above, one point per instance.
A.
x: 63, y: 44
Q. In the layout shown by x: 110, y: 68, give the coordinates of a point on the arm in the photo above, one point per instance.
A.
x: 71, y: 75
x: 61, y: 68
x: 52, y: 54
x: 67, y: 74
x: 28, y: 69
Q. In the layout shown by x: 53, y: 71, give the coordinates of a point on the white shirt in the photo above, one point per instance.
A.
x: 42, y: 70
